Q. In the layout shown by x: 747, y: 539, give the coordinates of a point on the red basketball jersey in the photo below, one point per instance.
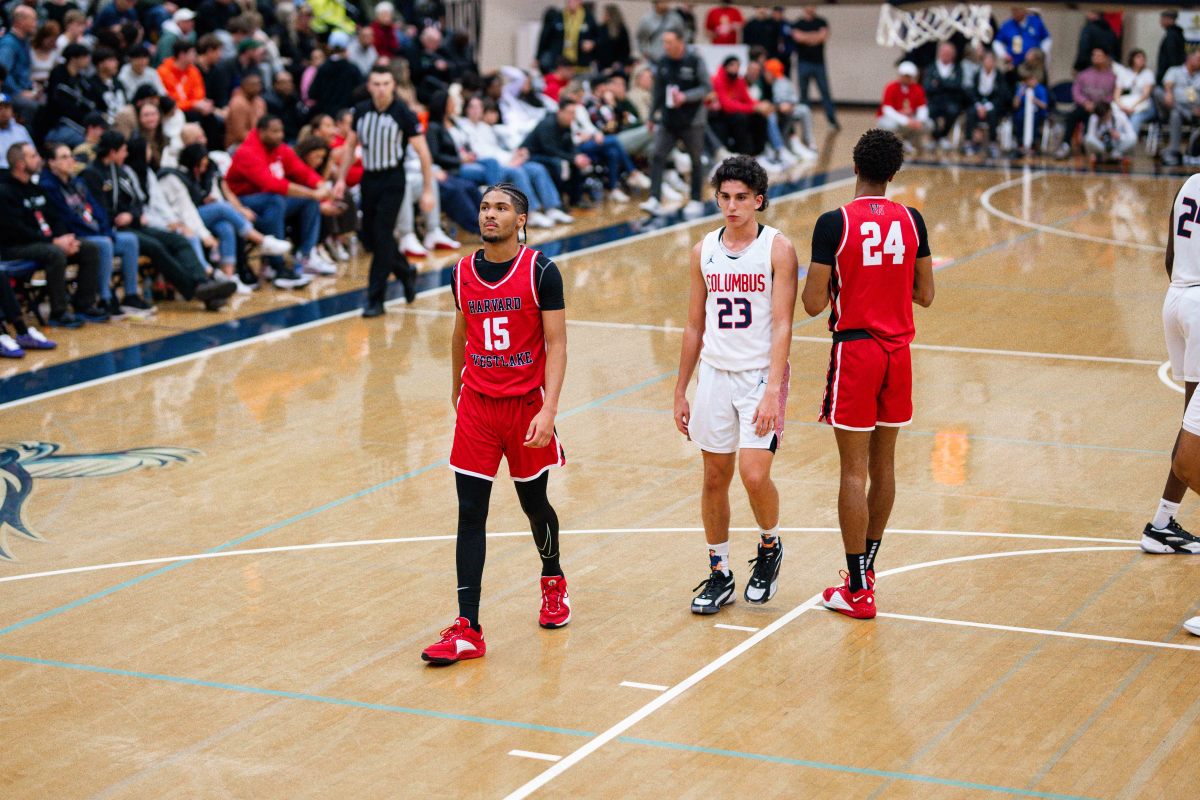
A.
x: 506, y: 345
x: 872, y: 282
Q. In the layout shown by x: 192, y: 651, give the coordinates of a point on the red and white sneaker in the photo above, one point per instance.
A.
x: 458, y: 643
x: 859, y: 605
x: 556, y: 603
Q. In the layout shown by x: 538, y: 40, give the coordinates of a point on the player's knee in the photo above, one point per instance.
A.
x: 717, y: 480
x: 472, y: 514
x: 1186, y: 468
x: 539, y: 511
x: 756, y: 478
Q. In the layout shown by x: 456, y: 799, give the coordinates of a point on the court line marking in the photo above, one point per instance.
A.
x: 716, y: 664
x: 531, y: 754
x: 257, y: 551
x: 1164, y: 375
x: 746, y: 628
x: 1040, y: 631
x: 654, y: 687
x: 985, y: 200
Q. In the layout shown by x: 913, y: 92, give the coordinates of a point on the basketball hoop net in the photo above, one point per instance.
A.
x: 911, y: 29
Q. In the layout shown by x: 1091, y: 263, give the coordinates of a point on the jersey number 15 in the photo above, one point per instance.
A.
x: 495, y: 333
x: 893, y: 245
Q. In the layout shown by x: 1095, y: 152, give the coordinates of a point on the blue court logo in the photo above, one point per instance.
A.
x: 21, y: 462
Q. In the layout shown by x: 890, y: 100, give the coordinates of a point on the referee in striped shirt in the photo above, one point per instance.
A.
x: 384, y: 126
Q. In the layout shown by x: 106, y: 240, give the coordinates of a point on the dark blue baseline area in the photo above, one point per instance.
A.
x: 102, y: 365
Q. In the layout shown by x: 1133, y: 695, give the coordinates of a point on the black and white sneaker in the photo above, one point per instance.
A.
x: 1171, y: 539
x: 718, y: 591
x: 764, y: 580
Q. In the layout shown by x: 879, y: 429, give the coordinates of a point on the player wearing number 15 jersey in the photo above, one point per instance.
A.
x: 870, y: 263
x: 508, y: 359
x: 739, y: 328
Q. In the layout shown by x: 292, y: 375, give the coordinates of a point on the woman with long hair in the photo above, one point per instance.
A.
x: 612, y: 41
x: 339, y: 218
x: 44, y: 54
x: 150, y: 129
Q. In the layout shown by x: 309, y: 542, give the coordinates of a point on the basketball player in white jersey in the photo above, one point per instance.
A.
x: 1181, y: 325
x: 739, y: 329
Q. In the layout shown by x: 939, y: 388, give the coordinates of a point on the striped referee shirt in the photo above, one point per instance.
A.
x: 384, y: 134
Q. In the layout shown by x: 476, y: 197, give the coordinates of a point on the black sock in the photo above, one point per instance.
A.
x: 471, y: 547
x: 872, y: 549
x: 543, y: 522
x: 856, y: 565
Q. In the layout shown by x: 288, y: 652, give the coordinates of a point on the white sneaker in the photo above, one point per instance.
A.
x: 559, y: 216
x: 805, y: 153
x: 618, y: 196
x: 539, y: 220
x: 245, y: 288
x: 652, y: 206
x: 721, y: 154
x: 438, y: 240
x: 339, y: 250
x: 693, y: 209
x: 316, y: 264
x: 410, y: 245
x: 771, y: 166
x: 639, y: 180
x: 1192, y: 626
x: 786, y: 158
x: 274, y: 247
x: 36, y: 335
x: 672, y: 178
x: 670, y: 195
x: 682, y: 162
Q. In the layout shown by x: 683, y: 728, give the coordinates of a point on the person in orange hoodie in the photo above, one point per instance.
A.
x: 185, y: 85
x: 740, y: 122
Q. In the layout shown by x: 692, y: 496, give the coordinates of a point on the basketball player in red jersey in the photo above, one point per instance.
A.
x: 508, y: 359
x: 870, y: 263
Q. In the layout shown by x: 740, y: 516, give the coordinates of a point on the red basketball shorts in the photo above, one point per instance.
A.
x: 489, y: 428
x: 867, y: 386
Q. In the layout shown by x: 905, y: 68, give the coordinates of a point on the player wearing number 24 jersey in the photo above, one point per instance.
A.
x: 870, y: 263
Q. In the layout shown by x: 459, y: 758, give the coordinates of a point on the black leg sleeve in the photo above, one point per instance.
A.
x: 542, y: 521
x: 474, y: 495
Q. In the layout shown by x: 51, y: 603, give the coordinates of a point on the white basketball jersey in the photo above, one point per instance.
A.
x: 737, y: 324
x: 1186, y: 269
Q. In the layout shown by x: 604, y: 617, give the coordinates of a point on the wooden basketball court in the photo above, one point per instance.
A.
x: 238, y: 610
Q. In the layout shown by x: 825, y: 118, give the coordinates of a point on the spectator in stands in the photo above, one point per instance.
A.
x: 43, y: 53
x: 113, y: 16
x: 361, y: 52
x: 337, y: 79
x: 389, y: 38
x: 568, y: 33
x: 810, y: 33
x: 904, y: 110
x: 185, y: 85
x: 339, y: 217
x: 603, y: 149
x: 677, y: 114
x: 72, y: 95
x: 214, y: 15
x: 724, y: 24
x: 94, y: 126
x: 181, y: 26
x: 1097, y: 83
x: 550, y: 144
x: 271, y: 180
x: 331, y: 16
x: 1020, y: 34
x: 25, y: 337
x: 298, y: 42
x: 30, y: 230
x: 246, y: 108
x: 137, y: 73
x: 762, y: 30
x: 11, y: 131
x: 75, y: 30
x: 1110, y: 136
x: 789, y: 110
x: 990, y: 104
x: 1179, y: 97
x: 1032, y: 102
x: 651, y: 28
x: 85, y: 217
x: 1172, y: 50
x: 107, y: 66
x: 613, y: 47
x: 556, y: 80
x: 223, y: 78
x: 946, y: 92
x: 431, y: 65
x: 1135, y: 89
x: 285, y: 103
x: 740, y: 123
x: 1096, y: 33
x: 16, y: 58
x: 624, y: 119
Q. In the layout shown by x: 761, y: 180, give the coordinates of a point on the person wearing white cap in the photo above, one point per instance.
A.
x: 904, y: 110
x: 181, y: 25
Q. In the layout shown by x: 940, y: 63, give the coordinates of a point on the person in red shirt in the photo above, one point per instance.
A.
x: 724, y: 25
x: 870, y: 263
x: 275, y: 183
x: 739, y: 121
x: 904, y: 110
x: 560, y: 77
x: 508, y: 360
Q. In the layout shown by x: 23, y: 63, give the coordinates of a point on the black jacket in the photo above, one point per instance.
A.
x: 553, y: 37
x: 691, y: 76
x: 1095, y: 34
x: 952, y: 89
x: 442, y: 148
x: 1172, y: 52
x: 1000, y: 96
x: 291, y: 110
x: 549, y: 140
x: 72, y: 97
x: 117, y: 190
x: 26, y: 214
x: 334, y: 86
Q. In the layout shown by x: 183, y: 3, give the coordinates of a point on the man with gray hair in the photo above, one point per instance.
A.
x: 651, y: 28
x: 1179, y: 97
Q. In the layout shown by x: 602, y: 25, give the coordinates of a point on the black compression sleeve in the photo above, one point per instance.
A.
x: 549, y: 285
x: 827, y: 235
x: 922, y: 234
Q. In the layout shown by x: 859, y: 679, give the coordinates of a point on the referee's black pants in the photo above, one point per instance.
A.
x: 382, y: 194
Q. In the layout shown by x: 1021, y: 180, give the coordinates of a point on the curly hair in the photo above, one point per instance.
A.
x: 747, y: 170
x: 878, y: 155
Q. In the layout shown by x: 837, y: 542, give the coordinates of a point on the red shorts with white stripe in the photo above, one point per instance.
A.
x: 867, y: 386
x: 489, y: 428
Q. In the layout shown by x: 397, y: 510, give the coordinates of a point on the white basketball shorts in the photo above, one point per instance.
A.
x: 724, y: 406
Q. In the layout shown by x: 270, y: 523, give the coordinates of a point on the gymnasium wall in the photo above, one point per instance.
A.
x: 859, y: 68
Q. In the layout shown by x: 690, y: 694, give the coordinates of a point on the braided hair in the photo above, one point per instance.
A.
x: 519, y: 200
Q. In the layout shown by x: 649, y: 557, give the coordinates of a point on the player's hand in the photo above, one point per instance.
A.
x: 541, y: 428
x: 339, y: 189
x: 766, y: 416
x: 683, y: 415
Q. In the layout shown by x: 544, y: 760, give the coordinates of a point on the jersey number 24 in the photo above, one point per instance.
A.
x: 893, y: 245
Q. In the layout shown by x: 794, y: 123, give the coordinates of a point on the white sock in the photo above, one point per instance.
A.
x: 769, y: 537
x: 718, y: 557
x: 1166, y: 510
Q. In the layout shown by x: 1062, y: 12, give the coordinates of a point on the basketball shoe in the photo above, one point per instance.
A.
x: 859, y: 605
x: 1170, y: 539
x: 764, y: 580
x: 458, y: 643
x: 556, y: 603
x: 718, y: 591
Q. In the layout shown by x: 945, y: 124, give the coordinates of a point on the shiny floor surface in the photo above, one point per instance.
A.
x: 221, y: 580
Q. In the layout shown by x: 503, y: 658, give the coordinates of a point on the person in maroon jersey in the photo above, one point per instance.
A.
x: 870, y: 263
x: 508, y: 360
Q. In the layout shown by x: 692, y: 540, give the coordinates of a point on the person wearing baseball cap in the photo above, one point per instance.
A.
x: 337, y: 78
x: 904, y: 110
x: 181, y: 25
x: 11, y: 131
